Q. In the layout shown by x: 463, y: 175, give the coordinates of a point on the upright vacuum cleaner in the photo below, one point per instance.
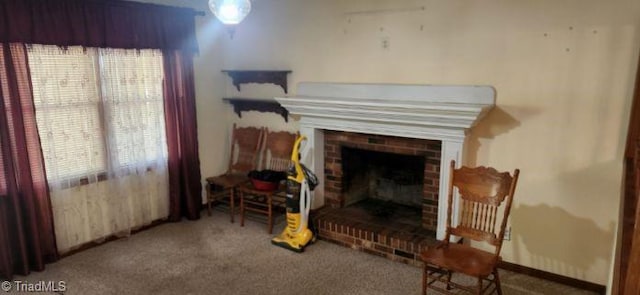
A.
x: 300, y: 182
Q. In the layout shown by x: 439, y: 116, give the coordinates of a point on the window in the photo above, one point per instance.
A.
x: 132, y: 91
x: 99, y: 111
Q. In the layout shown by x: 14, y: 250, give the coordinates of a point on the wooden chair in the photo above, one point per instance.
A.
x: 245, y: 146
x: 276, y: 156
x: 485, y: 194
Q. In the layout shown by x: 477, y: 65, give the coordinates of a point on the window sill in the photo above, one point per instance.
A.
x: 73, y: 182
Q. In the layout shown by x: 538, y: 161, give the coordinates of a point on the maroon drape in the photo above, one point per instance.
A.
x: 182, y: 137
x: 27, y: 239
x: 97, y: 23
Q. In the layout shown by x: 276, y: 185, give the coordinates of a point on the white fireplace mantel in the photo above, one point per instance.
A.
x: 439, y: 112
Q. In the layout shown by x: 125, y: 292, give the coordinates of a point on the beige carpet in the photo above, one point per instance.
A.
x: 212, y: 256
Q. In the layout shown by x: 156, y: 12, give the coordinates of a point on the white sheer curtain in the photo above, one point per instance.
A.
x: 100, y: 117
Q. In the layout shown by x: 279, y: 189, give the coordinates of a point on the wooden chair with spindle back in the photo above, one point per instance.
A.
x: 276, y: 156
x: 485, y: 200
x: 277, y: 150
x: 245, y: 147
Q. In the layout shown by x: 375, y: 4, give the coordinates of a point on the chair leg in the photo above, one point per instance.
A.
x: 449, y: 279
x: 241, y: 208
x: 270, y: 212
x: 496, y: 278
x: 425, y: 273
x: 208, y: 199
x: 232, y: 196
x: 479, y: 291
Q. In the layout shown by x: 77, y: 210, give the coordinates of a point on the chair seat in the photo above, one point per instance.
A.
x: 248, y: 188
x: 228, y: 180
x: 461, y: 258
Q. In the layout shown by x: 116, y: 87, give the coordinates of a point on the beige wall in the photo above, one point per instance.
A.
x: 563, y: 71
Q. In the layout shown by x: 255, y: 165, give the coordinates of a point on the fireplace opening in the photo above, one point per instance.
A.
x: 385, y: 185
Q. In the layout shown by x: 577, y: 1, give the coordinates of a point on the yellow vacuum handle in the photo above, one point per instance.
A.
x: 296, y: 160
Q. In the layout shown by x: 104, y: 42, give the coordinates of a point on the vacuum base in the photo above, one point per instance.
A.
x: 287, y: 246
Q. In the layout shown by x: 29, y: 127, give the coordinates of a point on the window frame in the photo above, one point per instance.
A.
x: 87, y: 176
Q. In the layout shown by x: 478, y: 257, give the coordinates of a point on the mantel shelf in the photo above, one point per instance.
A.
x: 257, y: 76
x: 253, y: 104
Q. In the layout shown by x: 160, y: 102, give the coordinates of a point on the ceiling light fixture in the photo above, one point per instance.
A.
x: 230, y: 12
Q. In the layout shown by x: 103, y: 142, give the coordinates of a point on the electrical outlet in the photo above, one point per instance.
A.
x: 507, y: 234
x: 385, y: 43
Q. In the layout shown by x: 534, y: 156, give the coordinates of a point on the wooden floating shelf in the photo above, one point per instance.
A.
x: 257, y: 76
x: 260, y: 105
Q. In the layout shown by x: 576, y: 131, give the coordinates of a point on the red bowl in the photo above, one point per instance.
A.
x: 264, y: 185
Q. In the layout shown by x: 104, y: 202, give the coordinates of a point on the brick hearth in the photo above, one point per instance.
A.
x: 393, y: 241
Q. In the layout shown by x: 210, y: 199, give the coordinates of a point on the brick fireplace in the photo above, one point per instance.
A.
x: 335, y: 141
x: 417, y: 120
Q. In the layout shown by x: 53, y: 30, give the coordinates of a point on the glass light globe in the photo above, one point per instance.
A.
x: 230, y: 12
